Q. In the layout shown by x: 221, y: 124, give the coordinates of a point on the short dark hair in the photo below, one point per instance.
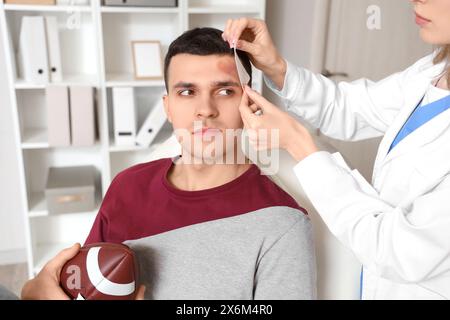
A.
x: 202, y: 42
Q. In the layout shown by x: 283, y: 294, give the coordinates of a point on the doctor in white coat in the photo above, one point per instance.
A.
x: 398, y: 226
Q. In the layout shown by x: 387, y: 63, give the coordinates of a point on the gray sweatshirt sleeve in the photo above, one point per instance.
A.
x: 287, y: 270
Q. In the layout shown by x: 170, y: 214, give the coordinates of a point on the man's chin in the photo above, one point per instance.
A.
x: 212, y: 157
x: 201, y: 158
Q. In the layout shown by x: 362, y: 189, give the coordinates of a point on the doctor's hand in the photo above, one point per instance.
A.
x: 253, y: 37
x: 293, y: 136
x: 45, y: 286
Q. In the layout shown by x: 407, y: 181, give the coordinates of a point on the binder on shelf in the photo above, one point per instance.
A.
x: 125, y: 117
x: 58, y: 116
x: 32, y: 55
x: 54, y: 51
x: 82, y: 116
x: 152, y: 125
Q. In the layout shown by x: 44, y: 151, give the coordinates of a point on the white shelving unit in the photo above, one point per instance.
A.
x: 96, y: 53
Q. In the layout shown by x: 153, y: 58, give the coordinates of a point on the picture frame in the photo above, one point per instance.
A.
x: 147, y: 60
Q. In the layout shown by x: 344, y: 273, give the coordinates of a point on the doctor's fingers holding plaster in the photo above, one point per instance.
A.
x: 253, y: 37
x: 294, y: 137
x: 398, y: 227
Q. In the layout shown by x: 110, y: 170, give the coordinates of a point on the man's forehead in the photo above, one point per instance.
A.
x: 203, y: 58
x: 193, y: 68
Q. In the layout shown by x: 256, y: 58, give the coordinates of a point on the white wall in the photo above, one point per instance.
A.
x: 290, y: 24
x: 298, y: 30
x: 12, y: 234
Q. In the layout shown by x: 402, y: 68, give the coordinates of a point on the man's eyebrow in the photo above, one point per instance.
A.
x: 226, y: 84
x: 184, y: 85
x: 217, y: 84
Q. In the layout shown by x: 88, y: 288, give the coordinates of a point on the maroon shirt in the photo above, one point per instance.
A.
x: 141, y: 202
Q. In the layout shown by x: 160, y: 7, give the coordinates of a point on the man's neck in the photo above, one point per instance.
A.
x: 196, y: 177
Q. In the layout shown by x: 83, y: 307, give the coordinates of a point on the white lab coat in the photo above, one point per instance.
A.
x: 398, y: 226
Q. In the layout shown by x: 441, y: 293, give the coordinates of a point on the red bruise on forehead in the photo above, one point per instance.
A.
x: 228, y: 66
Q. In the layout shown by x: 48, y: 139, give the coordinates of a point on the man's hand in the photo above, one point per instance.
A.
x: 141, y: 292
x: 45, y: 286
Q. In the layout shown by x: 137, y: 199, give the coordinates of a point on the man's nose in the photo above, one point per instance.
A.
x: 207, y: 108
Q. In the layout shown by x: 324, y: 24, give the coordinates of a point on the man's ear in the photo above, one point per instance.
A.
x: 166, y: 107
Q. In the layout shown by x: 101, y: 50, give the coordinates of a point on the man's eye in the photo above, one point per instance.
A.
x: 186, y: 92
x: 226, y: 92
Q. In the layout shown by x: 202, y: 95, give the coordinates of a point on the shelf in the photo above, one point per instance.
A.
x: 46, y: 8
x: 38, y: 206
x: 22, y: 84
x: 128, y: 80
x: 160, y: 138
x: 223, y: 10
x: 35, y: 139
x: 151, y: 148
x: 38, y: 139
x: 115, y: 148
x: 163, y: 135
x: 123, y: 9
x: 70, y: 80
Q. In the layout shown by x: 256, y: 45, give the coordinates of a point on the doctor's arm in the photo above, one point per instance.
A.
x: 408, y: 243
x: 390, y: 241
x: 349, y: 111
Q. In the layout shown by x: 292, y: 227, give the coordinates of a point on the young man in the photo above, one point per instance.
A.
x: 201, y: 229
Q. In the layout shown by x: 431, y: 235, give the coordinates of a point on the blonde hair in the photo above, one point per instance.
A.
x: 444, y: 55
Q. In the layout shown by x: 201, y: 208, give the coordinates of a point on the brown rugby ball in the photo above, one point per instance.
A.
x: 101, y: 271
